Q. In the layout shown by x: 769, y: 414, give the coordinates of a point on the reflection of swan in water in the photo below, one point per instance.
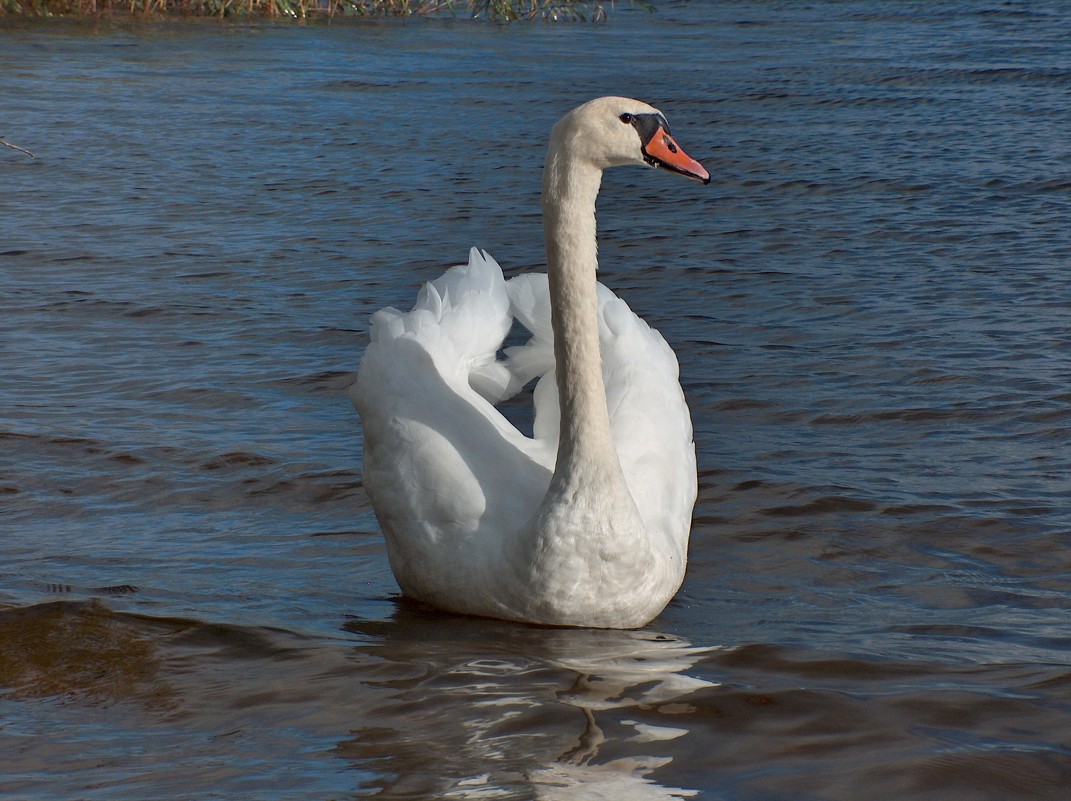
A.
x: 630, y: 669
x: 481, y: 710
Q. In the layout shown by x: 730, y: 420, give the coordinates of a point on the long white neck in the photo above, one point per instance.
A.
x: 586, y: 453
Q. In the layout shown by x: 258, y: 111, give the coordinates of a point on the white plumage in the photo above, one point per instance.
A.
x: 586, y: 523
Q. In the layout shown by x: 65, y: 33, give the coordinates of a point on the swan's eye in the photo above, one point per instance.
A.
x: 626, y: 118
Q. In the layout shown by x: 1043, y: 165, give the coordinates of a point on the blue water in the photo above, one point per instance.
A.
x: 870, y: 305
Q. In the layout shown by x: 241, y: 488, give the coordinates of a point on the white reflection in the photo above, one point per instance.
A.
x: 485, y: 710
x: 616, y: 670
x: 623, y: 779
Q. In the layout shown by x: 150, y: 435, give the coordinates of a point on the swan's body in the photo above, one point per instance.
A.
x: 586, y: 523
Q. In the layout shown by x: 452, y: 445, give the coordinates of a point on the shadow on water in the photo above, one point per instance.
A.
x: 80, y: 652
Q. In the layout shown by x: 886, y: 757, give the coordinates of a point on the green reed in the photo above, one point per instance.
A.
x: 551, y: 10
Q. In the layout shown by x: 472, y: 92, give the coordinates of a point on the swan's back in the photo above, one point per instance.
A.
x: 446, y: 472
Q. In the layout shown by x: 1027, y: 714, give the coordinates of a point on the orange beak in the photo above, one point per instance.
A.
x: 662, y: 151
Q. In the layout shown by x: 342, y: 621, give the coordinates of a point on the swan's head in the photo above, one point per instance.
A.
x: 611, y: 131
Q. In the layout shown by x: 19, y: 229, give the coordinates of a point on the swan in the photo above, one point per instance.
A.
x: 585, y: 523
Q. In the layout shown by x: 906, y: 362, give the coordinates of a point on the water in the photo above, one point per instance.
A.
x: 870, y: 304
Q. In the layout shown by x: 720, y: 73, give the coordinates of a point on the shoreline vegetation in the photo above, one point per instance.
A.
x: 497, y: 10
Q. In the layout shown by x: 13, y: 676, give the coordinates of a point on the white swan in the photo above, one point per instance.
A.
x: 586, y: 523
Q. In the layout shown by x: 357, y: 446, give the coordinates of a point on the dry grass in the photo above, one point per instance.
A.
x: 551, y: 10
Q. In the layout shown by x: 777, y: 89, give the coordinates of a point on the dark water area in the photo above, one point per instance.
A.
x: 870, y: 303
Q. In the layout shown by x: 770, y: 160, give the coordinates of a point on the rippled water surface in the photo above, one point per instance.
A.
x: 870, y: 304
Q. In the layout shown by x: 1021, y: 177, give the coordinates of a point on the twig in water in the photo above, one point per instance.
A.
x: 5, y: 143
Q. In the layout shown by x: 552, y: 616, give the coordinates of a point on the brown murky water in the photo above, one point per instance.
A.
x: 871, y: 306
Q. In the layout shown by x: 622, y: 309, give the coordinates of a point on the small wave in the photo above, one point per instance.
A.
x: 772, y: 658
x: 980, y: 75
x: 826, y: 505
x: 325, y: 381
x: 910, y: 415
x: 237, y: 459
